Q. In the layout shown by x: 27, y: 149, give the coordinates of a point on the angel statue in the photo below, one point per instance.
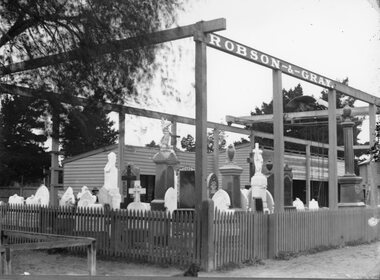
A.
x: 165, y: 125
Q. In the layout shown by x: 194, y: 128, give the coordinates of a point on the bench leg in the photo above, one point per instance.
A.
x: 91, y: 258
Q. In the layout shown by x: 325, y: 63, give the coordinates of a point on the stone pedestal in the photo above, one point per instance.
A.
x: 351, y: 191
x: 231, y: 179
x: 165, y: 161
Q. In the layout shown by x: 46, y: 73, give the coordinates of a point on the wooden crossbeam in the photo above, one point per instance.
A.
x: 248, y: 120
x: 26, y: 92
x: 45, y: 236
x: 116, y: 46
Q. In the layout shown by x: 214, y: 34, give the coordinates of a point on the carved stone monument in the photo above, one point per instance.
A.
x: 136, y: 192
x: 128, y: 177
x: 110, y: 172
x: 222, y: 200
x: 43, y: 195
x: 87, y: 199
x: 171, y: 200
x: 231, y: 178
x: 351, y: 191
x: 186, y: 188
x: 165, y: 161
x: 16, y: 199
x: 110, y: 193
x: 259, y: 181
x: 212, y: 185
x: 68, y: 198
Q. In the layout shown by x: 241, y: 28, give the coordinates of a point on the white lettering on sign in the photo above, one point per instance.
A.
x: 256, y: 56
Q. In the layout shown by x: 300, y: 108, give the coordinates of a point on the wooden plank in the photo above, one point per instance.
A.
x: 23, y: 91
x: 91, y: 258
x: 120, y: 155
x: 200, y: 117
x: 332, y: 162
x: 279, y: 149
x: 234, y: 48
x: 47, y: 245
x: 117, y: 46
x: 308, y: 174
x: 291, y: 116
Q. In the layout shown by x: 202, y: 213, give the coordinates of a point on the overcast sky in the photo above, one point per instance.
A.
x: 336, y: 39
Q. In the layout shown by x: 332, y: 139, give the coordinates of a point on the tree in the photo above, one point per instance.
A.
x: 304, y: 130
x: 87, y: 130
x: 188, y: 142
x: 23, y: 156
x: 32, y: 29
x: 152, y: 144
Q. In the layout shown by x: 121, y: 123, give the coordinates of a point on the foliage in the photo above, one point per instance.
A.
x: 304, y: 131
x: 87, y: 130
x: 375, y: 149
x: 22, y: 155
x: 33, y: 29
x: 152, y: 144
x: 188, y: 142
x: 241, y: 141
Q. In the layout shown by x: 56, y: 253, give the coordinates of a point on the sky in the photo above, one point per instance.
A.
x: 336, y: 39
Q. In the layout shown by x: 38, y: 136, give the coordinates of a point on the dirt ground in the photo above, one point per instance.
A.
x: 361, y: 261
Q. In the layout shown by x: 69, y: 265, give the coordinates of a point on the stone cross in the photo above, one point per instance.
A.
x: 136, y: 191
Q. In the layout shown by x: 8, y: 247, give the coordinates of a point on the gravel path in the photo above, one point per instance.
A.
x: 349, y: 262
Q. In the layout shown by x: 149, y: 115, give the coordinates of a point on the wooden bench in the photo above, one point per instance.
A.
x: 43, y: 241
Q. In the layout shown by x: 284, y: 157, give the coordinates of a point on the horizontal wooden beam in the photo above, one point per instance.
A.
x: 248, y: 120
x: 45, y: 236
x: 116, y: 46
x: 48, y: 244
x: 245, y: 52
x: 154, y: 114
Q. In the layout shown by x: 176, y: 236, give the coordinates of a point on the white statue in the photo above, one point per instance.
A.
x: 110, y: 172
x: 258, y: 159
x: 164, y: 143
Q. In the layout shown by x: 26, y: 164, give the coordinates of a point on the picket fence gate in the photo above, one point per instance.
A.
x: 161, y: 237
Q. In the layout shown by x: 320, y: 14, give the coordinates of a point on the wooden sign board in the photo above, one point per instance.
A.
x: 250, y: 54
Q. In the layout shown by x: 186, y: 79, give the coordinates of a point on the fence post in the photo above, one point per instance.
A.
x: 272, y: 235
x: 207, y: 235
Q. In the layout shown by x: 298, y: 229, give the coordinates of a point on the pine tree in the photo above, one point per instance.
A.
x: 22, y: 155
x: 87, y: 130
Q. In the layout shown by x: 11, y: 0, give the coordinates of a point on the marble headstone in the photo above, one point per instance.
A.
x: 244, y: 196
x: 222, y: 200
x: 83, y: 190
x: 87, y: 199
x: 32, y: 200
x: 270, y: 202
x: 212, y: 185
x: 16, y: 199
x: 43, y: 195
x: 299, y: 204
x: 68, y: 198
x: 313, y: 205
x: 171, y: 200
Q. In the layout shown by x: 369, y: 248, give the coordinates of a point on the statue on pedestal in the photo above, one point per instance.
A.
x: 164, y: 143
x: 259, y: 181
